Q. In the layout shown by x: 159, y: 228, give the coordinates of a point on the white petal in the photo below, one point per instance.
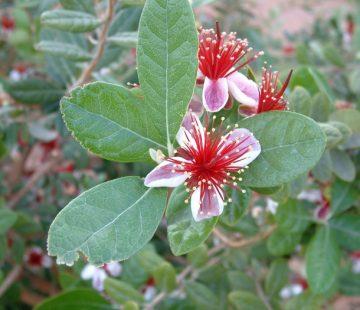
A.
x: 88, y: 272
x: 244, y: 90
x: 113, y: 268
x: 185, y: 134
x: 210, y: 205
x: 215, y: 94
x: 164, y: 176
x: 46, y: 261
x: 249, y: 142
x: 98, y: 279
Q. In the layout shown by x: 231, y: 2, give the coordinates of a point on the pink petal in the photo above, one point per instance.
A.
x: 184, y: 136
x: 88, y: 272
x: 246, y: 110
x: 114, y: 269
x: 244, y: 90
x: 210, y: 205
x: 98, y: 279
x: 215, y: 94
x: 164, y: 175
x: 249, y: 144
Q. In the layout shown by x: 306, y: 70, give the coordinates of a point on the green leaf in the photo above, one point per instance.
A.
x: 354, y: 81
x: 71, y: 21
x: 130, y: 305
x: 277, y: 277
x: 322, y: 260
x: 111, y: 122
x: 282, y: 242
x: 321, y: 107
x: 78, y: 5
x: 184, y: 233
x: 3, y: 247
x: 201, y: 296
x: 235, y: 210
x: 300, y: 101
x: 342, y: 165
x: 291, y: 144
x: 312, y: 80
x: 350, y: 117
x: 293, y: 216
x: 167, y: 61
x: 126, y: 39
x: 323, y: 169
x: 333, y: 135
x: 343, y: 195
x: 305, y: 301
x: 165, y: 277
x: 7, y: 220
x: 121, y: 292
x: 34, y: 91
x: 199, y: 257
x: 66, y: 50
x: 240, y: 280
x: 332, y: 54
x: 241, y: 300
x: 347, y: 230
x: 79, y: 299
x: 349, y: 283
x: 109, y: 222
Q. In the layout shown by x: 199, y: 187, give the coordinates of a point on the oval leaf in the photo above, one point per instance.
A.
x: 71, y: 21
x: 109, y: 120
x: 167, y: 61
x: 66, y: 50
x: 184, y: 233
x: 109, y: 222
x: 291, y: 144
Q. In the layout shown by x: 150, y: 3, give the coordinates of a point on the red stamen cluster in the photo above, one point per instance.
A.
x: 271, y: 98
x: 210, y: 155
x: 7, y: 23
x: 220, y: 53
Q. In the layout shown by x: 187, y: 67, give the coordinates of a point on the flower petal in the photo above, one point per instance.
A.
x: 210, y: 205
x: 215, y: 94
x: 114, y: 268
x: 249, y: 145
x: 88, y: 272
x: 184, y: 136
x: 244, y: 90
x: 164, y: 175
x: 98, y: 279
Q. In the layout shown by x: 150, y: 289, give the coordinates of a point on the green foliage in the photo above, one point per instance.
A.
x: 245, y: 301
x: 167, y: 62
x: 184, y: 233
x: 277, y: 277
x: 66, y: 50
x: 281, y: 134
x: 124, y: 214
x: 121, y: 292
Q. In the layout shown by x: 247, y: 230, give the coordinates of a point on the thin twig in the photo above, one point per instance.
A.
x: 48, y: 166
x: 242, y: 242
x: 86, y: 74
x: 10, y: 279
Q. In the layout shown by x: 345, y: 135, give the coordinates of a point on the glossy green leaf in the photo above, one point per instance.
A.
x: 347, y: 230
x: 201, y: 296
x: 126, y: 39
x: 7, y: 220
x: 343, y: 195
x: 165, y: 277
x: 241, y: 300
x: 342, y: 165
x: 300, y: 101
x: 322, y: 260
x: 68, y: 20
x: 293, y: 216
x: 167, y: 61
x: 121, y: 292
x: 291, y: 144
x: 184, y: 233
x: 79, y: 299
x: 34, y: 91
x: 111, y: 122
x: 277, y: 277
x: 282, y: 242
x: 109, y: 222
x: 66, y: 50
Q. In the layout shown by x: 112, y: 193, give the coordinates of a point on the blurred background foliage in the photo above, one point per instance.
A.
x: 311, y: 258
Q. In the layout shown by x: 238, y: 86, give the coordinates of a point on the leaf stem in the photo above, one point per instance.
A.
x: 86, y: 74
x: 10, y: 279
